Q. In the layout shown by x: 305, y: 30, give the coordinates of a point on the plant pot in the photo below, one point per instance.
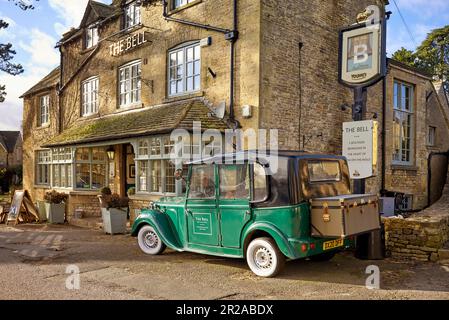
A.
x: 114, y: 220
x: 55, y: 212
x: 42, y: 211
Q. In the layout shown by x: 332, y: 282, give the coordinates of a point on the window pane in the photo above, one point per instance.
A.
x: 155, y: 146
x: 98, y: 176
x: 170, y: 181
x: 82, y: 154
x: 98, y: 154
x: 143, y: 176
x: 83, y: 176
x: 234, y: 181
x: 260, y: 183
x: 322, y: 171
x: 156, y: 174
x: 202, y: 182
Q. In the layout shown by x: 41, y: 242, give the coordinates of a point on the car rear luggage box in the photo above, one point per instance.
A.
x: 344, y: 216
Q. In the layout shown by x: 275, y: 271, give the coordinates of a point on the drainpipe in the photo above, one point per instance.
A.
x: 230, y: 35
x: 59, y: 91
x: 384, y: 122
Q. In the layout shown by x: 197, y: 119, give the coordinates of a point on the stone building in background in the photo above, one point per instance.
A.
x: 10, y: 149
x: 129, y: 76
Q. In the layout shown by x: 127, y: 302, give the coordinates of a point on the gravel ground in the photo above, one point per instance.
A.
x: 34, y: 260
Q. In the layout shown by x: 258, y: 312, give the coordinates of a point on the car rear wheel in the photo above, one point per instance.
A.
x: 326, y: 256
x: 264, y: 257
x: 149, y: 241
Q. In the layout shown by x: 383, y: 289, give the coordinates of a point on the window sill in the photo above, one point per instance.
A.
x: 87, y: 50
x: 404, y: 167
x: 186, y: 96
x: 84, y: 193
x: 138, y: 105
x: 131, y: 29
x: 184, y: 7
x: 41, y: 186
x: 43, y: 127
x: 90, y: 116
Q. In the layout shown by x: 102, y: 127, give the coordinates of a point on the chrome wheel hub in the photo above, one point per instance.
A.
x: 263, y: 258
x: 150, y: 239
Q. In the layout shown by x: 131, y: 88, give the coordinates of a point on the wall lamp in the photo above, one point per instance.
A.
x: 111, y: 153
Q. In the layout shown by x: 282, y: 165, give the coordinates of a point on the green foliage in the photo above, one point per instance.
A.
x: 106, y: 191
x: 131, y: 191
x: 432, y: 56
x: 115, y: 201
x: 55, y: 197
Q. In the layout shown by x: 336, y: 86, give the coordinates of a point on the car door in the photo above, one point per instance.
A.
x: 201, y: 207
x: 233, y: 202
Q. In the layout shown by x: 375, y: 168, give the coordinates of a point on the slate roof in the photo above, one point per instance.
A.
x: 8, y: 140
x: 48, y: 82
x: 152, y: 120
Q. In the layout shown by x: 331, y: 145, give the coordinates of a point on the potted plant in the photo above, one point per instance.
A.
x: 104, y: 197
x: 131, y: 191
x: 55, y: 206
x: 115, y: 214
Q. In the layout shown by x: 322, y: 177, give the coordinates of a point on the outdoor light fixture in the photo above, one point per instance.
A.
x: 111, y: 153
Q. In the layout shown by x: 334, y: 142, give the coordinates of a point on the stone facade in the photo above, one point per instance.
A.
x: 286, y: 70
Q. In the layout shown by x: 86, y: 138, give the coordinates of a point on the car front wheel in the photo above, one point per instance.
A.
x: 264, y: 257
x: 149, y: 241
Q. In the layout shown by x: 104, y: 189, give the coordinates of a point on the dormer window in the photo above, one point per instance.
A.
x: 91, y: 39
x: 132, y: 15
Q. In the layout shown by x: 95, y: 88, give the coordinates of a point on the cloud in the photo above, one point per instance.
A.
x: 70, y: 12
x: 6, y: 34
x: 41, y: 48
x: 424, y: 8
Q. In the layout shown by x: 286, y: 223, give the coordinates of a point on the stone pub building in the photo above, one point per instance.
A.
x: 133, y: 71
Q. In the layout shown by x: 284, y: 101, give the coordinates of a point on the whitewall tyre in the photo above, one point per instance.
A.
x: 264, y: 257
x: 149, y: 241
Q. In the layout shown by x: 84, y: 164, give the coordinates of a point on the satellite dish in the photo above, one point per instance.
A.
x: 220, y: 110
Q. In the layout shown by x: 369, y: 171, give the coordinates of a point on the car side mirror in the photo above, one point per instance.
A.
x: 178, y: 175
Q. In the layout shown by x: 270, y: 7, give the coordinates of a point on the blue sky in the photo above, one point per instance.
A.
x: 34, y: 34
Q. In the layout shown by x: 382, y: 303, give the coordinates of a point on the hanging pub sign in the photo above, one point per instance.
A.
x: 362, y: 60
x: 360, y: 147
x: 126, y: 44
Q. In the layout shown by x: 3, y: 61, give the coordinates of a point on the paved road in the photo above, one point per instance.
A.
x: 34, y: 261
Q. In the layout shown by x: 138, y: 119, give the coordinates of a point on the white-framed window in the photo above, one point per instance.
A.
x: 91, y: 37
x: 184, y: 69
x: 155, y: 170
x: 180, y: 3
x: 130, y: 83
x: 431, y: 136
x: 406, y: 203
x: 62, y: 168
x: 403, y: 123
x: 132, y: 15
x: 44, y: 110
x: 90, y: 168
x: 43, y: 162
x: 89, y: 96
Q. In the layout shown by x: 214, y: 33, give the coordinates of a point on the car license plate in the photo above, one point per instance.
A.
x: 333, y: 244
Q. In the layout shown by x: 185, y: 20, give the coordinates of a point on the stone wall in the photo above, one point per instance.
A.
x: 88, y: 203
x: 136, y: 204
x: 417, y: 238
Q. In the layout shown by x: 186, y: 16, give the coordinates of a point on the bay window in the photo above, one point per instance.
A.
x: 43, y: 162
x: 184, y: 69
x: 62, y: 168
x: 130, y: 83
x: 90, y: 168
x: 89, y: 96
x: 155, y: 169
x: 403, y: 123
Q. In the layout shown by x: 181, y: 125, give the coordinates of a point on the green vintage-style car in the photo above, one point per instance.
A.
x: 245, y: 209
